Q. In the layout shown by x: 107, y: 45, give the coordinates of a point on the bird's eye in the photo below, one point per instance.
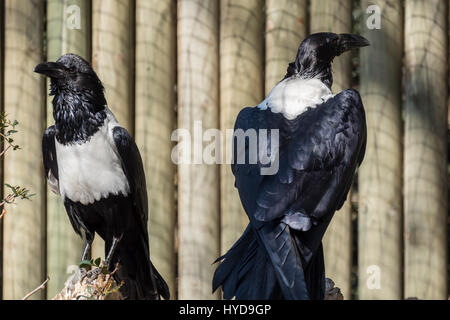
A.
x: 72, y: 69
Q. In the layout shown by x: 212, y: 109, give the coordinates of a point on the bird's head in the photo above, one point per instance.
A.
x: 79, y: 102
x: 317, y: 51
x: 71, y: 74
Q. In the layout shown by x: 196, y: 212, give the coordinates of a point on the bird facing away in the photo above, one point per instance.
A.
x: 322, y: 140
x: 95, y: 165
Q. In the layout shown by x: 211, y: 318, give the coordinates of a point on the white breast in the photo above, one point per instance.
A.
x: 91, y: 170
x: 291, y: 97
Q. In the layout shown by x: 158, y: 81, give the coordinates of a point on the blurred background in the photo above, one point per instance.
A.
x: 166, y: 64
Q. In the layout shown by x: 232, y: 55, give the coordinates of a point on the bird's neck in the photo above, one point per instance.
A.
x: 77, y: 118
x: 321, y: 72
x: 306, y: 68
x: 325, y: 75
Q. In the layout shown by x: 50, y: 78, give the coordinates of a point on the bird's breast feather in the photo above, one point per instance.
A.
x: 91, y: 170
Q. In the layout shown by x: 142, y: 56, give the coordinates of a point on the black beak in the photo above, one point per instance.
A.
x: 351, y: 41
x: 50, y: 69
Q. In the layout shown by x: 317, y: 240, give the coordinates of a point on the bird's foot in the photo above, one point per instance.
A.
x: 77, y: 277
x: 93, y: 274
x: 298, y: 221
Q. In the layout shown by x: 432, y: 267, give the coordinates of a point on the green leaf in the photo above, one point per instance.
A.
x: 85, y: 263
x: 97, y: 261
x: 9, y: 132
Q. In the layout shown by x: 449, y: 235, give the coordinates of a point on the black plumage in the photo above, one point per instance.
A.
x: 280, y: 254
x: 96, y: 166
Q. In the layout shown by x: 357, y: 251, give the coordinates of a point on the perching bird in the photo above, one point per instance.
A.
x: 95, y: 165
x: 322, y: 140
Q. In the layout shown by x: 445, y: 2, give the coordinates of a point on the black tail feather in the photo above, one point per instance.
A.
x: 246, y: 272
x: 163, y: 288
x: 315, y: 276
x: 141, y: 280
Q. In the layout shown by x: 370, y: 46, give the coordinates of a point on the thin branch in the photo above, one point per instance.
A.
x: 42, y: 286
x: 10, y: 144
x: 6, y: 149
x: 108, y: 278
x: 9, y: 199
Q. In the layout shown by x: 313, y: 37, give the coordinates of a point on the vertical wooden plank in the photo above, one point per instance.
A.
x: 380, y: 176
x: 285, y: 29
x: 24, y: 225
x: 2, y: 20
x: 241, y: 85
x: 198, y: 184
x: 425, y: 149
x: 112, y: 59
x: 64, y: 246
x: 336, y: 16
x: 155, y: 120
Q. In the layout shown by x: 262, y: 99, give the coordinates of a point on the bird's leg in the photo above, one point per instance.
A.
x: 87, y: 247
x: 114, y: 244
x: 81, y: 272
x: 96, y: 272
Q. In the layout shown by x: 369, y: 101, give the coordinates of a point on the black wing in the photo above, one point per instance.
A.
x: 134, y: 171
x: 319, y: 152
x: 50, y: 160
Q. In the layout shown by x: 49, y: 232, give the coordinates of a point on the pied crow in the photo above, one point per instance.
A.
x: 95, y: 165
x: 322, y: 140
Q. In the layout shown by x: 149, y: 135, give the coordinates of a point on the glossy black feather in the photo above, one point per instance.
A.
x: 49, y: 152
x: 134, y: 171
x: 320, y: 150
x: 79, y: 102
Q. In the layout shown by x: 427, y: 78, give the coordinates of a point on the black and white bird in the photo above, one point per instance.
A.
x: 95, y: 165
x: 322, y: 140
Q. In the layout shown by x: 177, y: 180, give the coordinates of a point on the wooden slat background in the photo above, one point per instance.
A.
x: 425, y: 179
x: 155, y: 119
x: 198, y: 105
x: 169, y: 64
x: 380, y: 178
x: 24, y: 226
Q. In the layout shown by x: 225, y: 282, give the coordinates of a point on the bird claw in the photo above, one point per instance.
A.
x: 93, y: 274
x: 77, y: 277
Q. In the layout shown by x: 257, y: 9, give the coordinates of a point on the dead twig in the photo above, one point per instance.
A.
x: 42, y: 286
x: 17, y: 192
x: 108, y: 279
x: 3, y: 213
x: 9, y: 199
